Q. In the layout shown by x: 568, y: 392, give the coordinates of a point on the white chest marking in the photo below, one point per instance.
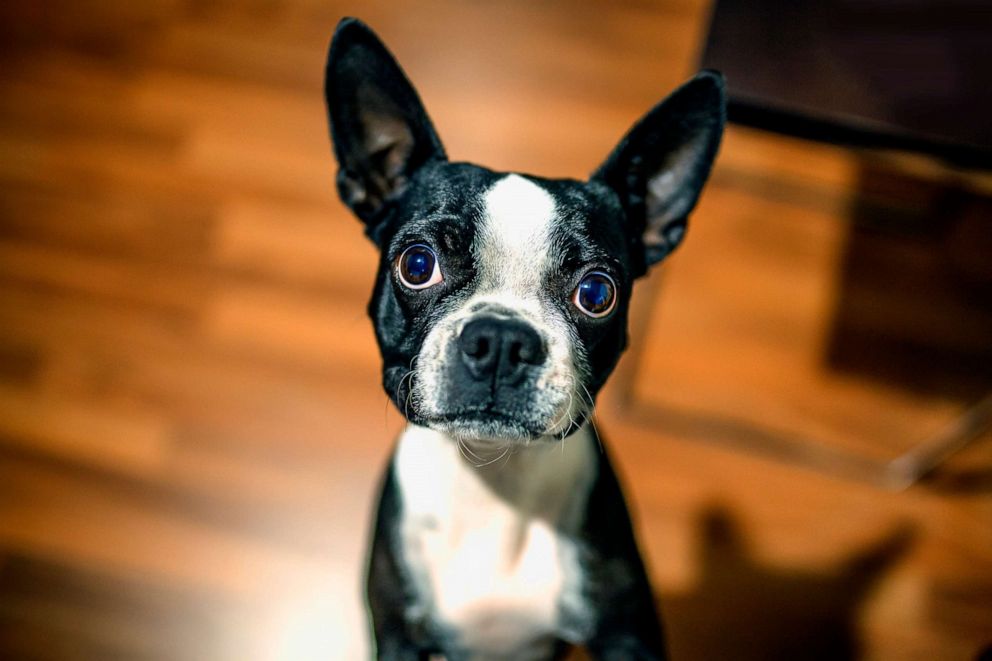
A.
x: 491, y: 548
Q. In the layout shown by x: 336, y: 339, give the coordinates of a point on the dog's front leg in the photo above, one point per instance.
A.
x: 394, y: 635
x: 626, y: 626
x: 388, y: 588
x: 633, y: 638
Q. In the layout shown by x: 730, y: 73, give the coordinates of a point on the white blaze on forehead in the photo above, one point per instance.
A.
x: 515, y: 233
x: 513, y: 253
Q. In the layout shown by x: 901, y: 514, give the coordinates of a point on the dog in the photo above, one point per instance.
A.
x: 500, y: 308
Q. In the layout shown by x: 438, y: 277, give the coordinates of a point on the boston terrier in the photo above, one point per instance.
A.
x: 500, y: 309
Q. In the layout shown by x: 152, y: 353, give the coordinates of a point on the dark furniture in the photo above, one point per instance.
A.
x: 911, y: 75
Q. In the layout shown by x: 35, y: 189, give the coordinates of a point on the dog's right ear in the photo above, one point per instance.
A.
x: 379, y: 127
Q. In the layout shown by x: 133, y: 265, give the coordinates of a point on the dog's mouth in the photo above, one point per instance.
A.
x: 494, y: 425
x: 486, y: 424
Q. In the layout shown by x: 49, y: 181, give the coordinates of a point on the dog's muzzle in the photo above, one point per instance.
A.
x: 493, y: 370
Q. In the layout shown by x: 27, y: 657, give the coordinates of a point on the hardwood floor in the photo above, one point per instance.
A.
x: 191, y: 422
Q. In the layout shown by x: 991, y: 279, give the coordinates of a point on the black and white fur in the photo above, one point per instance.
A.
x: 501, y: 531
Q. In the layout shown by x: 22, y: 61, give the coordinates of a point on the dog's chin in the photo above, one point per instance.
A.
x: 486, y: 426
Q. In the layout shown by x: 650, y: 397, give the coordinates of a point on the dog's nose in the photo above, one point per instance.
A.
x: 500, y: 347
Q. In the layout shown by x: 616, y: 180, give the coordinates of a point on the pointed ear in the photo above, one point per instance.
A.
x: 660, y: 166
x: 380, y: 130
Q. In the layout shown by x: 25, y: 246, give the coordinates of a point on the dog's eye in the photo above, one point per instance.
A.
x: 596, y: 295
x: 417, y: 267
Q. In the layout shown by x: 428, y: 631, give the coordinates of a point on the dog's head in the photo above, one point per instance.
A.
x: 501, y: 303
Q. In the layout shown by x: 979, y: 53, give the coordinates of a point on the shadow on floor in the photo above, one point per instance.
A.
x: 742, y: 608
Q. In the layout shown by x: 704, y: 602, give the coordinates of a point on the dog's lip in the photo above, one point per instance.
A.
x: 472, y: 418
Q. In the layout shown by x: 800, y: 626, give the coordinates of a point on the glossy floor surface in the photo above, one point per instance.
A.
x: 191, y: 422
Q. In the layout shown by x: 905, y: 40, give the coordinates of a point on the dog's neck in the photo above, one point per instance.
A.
x: 500, y: 536
x: 535, y: 479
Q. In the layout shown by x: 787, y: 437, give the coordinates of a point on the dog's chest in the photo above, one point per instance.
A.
x: 491, y: 549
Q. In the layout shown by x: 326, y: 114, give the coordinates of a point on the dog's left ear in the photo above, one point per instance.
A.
x: 379, y: 127
x: 660, y: 166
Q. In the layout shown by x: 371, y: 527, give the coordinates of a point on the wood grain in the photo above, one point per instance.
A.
x: 191, y: 421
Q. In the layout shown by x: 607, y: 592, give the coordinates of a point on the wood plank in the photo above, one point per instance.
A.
x: 192, y: 426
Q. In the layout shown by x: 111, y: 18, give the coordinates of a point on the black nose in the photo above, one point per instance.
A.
x: 501, y: 348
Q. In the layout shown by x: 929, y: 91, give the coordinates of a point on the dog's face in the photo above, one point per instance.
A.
x: 501, y: 301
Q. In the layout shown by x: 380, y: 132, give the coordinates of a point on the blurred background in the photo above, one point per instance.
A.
x: 191, y: 421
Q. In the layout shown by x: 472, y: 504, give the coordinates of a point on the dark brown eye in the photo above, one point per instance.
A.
x: 417, y: 267
x: 596, y: 294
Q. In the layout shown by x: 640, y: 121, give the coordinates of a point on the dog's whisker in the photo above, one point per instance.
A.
x: 595, y: 431
x: 409, y: 392
x: 406, y: 402
x: 590, y: 405
x: 512, y: 449
x: 553, y: 429
x: 469, y: 450
x: 563, y: 415
x: 589, y: 401
x: 461, y: 449
x: 399, y: 384
x: 567, y: 429
x: 492, y: 461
